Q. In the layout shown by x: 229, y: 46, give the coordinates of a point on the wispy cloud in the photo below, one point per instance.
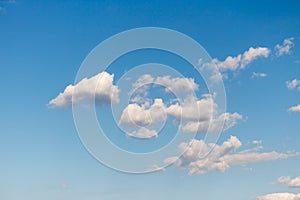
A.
x: 293, y: 84
x: 259, y: 75
x: 285, y: 48
x: 280, y: 196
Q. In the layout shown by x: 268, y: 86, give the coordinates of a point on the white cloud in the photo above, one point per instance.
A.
x: 142, y: 115
x: 257, y: 142
x: 285, y: 48
x: 221, y: 158
x: 290, y: 182
x: 259, y: 75
x: 143, y: 133
x: 222, y: 123
x: 254, y: 53
x: 201, y: 115
x: 293, y: 84
x: 177, y: 85
x: 192, y: 109
x: 295, y: 108
x: 242, y: 60
x: 280, y: 196
x: 84, y: 90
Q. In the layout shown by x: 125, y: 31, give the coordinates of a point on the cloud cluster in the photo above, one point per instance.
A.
x: 196, y: 115
x: 221, y: 158
x: 285, y: 48
x: 280, y: 196
x: 293, y: 84
x: 99, y: 88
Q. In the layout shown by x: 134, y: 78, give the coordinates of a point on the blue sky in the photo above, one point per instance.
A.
x: 43, y: 44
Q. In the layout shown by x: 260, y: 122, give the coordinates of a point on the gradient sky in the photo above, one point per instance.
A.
x: 42, y: 45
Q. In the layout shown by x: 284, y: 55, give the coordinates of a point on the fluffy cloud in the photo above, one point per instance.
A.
x: 242, y: 60
x: 259, y: 75
x: 219, y: 157
x: 293, y: 84
x: 223, y: 122
x: 280, y: 196
x: 176, y: 85
x: 84, y: 90
x: 295, y: 108
x: 290, y: 182
x: 285, y: 48
x: 200, y: 116
x: 192, y: 109
x: 143, y: 115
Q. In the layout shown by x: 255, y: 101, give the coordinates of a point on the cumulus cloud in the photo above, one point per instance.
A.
x: 221, y: 158
x: 293, y: 84
x: 280, y: 196
x: 222, y: 123
x: 294, y: 108
x: 99, y: 88
x: 142, y: 115
x: 177, y: 85
x: 201, y: 115
x: 290, y: 182
x: 259, y: 75
x: 193, y: 109
x: 242, y: 60
x: 285, y: 48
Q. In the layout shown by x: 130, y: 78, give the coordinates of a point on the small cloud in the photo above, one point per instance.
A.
x: 143, y: 133
x: 256, y: 142
x: 259, y: 75
x: 293, y: 84
x: 294, y: 108
x: 285, y: 48
x: 290, y: 182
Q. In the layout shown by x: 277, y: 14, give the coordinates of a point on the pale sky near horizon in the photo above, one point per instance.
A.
x: 254, y: 45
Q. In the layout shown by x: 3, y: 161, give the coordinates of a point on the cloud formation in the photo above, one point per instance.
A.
x: 259, y: 75
x: 293, y: 84
x: 290, y: 182
x: 84, y: 90
x: 221, y: 158
x: 280, y: 196
x: 221, y: 123
x: 143, y: 115
x: 143, y: 133
x: 241, y: 61
x: 177, y: 85
x: 285, y: 48
x: 294, y: 108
